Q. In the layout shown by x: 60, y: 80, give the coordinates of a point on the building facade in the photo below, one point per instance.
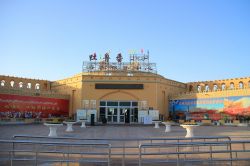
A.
x: 120, y: 92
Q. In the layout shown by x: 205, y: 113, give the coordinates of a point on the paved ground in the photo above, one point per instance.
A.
x: 121, y: 131
x: 125, y: 131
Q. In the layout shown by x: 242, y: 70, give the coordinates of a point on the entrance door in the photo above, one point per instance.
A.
x: 112, y: 114
x: 127, y: 115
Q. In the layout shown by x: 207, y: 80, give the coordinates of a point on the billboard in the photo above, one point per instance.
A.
x: 211, y: 108
x: 16, y: 106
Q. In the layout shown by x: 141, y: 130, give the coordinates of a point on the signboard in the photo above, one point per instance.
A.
x: 81, y: 114
x: 154, y: 114
x: 141, y: 115
x: 16, y: 106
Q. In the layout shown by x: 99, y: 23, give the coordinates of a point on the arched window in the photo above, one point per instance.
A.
x: 223, y: 86
x: 206, y: 88
x: 20, y: 84
x: 231, y: 85
x: 248, y: 84
x: 2, y: 83
x: 37, y: 86
x: 29, y: 85
x: 199, y: 88
x: 12, y: 83
x: 241, y: 85
x: 215, y: 88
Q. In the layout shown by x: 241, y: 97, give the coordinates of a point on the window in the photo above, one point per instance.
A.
x: 37, y: 86
x: 2, y: 83
x: 231, y: 85
x: 223, y: 86
x: 20, y: 84
x: 241, y: 85
x: 198, y: 88
x: 248, y: 84
x: 12, y: 83
x: 29, y: 85
x: 215, y: 87
x: 206, y: 88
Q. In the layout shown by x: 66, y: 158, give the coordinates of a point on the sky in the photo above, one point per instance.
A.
x: 189, y: 40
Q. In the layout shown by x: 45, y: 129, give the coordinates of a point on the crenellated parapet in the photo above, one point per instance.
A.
x: 217, y: 85
x: 212, y: 94
x: 24, y: 83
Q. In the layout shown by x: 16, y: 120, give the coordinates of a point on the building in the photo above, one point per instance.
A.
x: 121, y: 92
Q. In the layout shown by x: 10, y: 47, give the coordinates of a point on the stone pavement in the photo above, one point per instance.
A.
x: 124, y: 131
x: 121, y: 131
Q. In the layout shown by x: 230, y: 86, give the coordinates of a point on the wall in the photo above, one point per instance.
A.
x: 156, y: 89
x: 235, y: 83
x: 71, y: 86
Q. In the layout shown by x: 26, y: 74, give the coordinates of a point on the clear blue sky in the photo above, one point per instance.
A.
x: 190, y: 40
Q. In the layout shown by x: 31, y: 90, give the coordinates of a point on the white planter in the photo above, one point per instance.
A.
x: 189, y: 129
x: 168, y: 126
x: 69, y: 126
x: 53, y: 129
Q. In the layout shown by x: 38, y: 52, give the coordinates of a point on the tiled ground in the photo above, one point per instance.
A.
x: 124, y: 131
x: 121, y: 131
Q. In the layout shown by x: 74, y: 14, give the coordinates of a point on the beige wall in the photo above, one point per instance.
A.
x: 44, y: 85
x: 192, y: 86
x: 156, y: 89
x: 71, y: 86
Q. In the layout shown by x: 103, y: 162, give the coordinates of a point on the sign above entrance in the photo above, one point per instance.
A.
x: 119, y: 86
x: 137, y: 62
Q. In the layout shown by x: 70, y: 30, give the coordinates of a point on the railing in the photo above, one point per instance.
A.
x: 184, y: 152
x: 37, y: 152
x: 122, y: 148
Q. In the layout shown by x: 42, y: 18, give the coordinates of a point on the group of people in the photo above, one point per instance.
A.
x: 25, y: 114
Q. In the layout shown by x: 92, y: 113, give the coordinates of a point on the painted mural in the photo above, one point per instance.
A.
x: 234, y: 107
x: 16, y: 106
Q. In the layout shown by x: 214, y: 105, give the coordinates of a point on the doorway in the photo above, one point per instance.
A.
x: 127, y: 115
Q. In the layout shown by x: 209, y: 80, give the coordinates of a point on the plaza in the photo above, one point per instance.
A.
x: 133, y: 133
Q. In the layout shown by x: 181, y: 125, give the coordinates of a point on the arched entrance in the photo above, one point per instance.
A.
x: 119, y: 107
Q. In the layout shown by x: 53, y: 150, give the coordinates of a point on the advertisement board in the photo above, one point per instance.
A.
x: 16, y: 106
x: 211, y: 108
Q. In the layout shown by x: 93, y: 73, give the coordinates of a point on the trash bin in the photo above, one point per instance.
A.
x: 92, y: 120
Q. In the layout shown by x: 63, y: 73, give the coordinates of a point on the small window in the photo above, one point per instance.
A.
x: 29, y: 85
x: 112, y: 103
x: 20, y: 84
x: 231, y: 85
x: 12, y: 83
x: 215, y: 87
x: 2, y: 83
x: 102, y: 103
x: 206, y: 88
x: 198, y: 88
x: 241, y: 85
x: 223, y: 86
x: 37, y: 86
x: 135, y: 104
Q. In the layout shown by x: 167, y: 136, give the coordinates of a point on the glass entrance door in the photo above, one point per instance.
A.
x: 119, y: 111
x: 112, y: 114
x: 125, y: 115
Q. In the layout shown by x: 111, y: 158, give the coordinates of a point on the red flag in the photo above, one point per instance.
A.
x: 142, y: 50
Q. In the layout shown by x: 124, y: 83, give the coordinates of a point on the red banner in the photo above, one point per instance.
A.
x: 16, y: 106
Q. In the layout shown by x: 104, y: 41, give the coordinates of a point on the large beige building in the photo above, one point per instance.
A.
x: 120, y: 91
